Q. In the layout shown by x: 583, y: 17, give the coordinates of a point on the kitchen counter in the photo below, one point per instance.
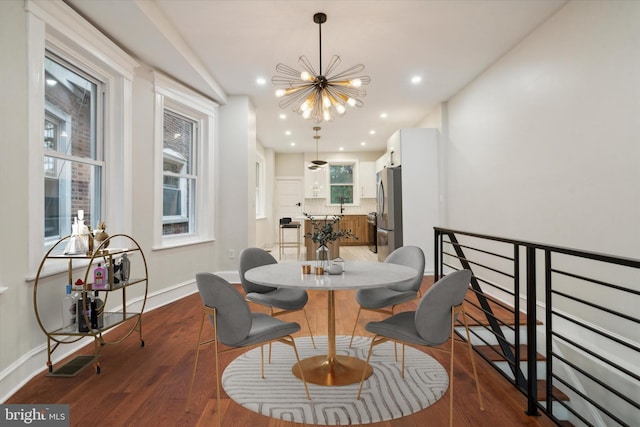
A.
x: 357, y: 223
x: 319, y: 217
x: 334, y: 247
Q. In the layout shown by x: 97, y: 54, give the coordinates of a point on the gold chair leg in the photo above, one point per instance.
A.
x: 304, y: 381
x: 364, y: 372
x: 262, y: 359
x: 309, y: 326
x: 403, y: 346
x: 218, y: 379
x: 453, y: 319
x: 205, y: 311
x: 272, y: 314
x: 375, y: 341
x: 353, y: 333
x: 195, y: 364
x: 471, y: 356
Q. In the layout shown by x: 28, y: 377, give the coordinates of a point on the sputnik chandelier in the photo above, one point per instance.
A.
x: 316, y: 95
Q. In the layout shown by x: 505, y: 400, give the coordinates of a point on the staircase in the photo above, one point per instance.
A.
x: 487, y: 345
x: 588, y: 344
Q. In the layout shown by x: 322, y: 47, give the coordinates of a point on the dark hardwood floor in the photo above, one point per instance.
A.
x: 147, y: 386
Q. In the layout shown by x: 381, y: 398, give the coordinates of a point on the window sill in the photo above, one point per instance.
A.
x: 170, y: 243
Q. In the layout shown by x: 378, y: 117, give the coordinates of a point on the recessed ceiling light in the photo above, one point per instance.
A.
x: 293, y: 144
x: 341, y: 148
x: 288, y: 132
x: 261, y: 81
x: 372, y: 132
x: 383, y: 115
x: 363, y: 143
x: 283, y: 116
x: 416, y: 79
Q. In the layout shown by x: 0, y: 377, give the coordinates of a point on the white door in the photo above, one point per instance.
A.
x: 289, y: 198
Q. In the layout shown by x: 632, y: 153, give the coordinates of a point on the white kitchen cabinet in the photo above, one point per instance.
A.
x: 367, y: 180
x: 394, y: 147
x: 382, y: 162
x: 315, y: 183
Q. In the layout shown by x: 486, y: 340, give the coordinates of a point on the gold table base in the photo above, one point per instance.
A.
x: 341, y: 370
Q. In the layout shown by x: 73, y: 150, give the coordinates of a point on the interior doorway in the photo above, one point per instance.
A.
x: 289, y: 200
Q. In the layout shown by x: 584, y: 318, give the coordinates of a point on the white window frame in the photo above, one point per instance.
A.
x: 55, y: 27
x: 176, y: 97
x: 177, y: 159
x: 62, y: 120
x: 53, y: 113
x: 261, y: 198
x: 354, y: 184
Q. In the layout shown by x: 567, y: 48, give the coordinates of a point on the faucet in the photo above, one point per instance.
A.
x: 341, y: 205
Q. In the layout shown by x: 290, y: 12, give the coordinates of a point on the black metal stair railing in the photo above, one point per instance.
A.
x: 575, y: 321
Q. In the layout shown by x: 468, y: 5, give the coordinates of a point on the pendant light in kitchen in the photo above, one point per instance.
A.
x: 317, y: 163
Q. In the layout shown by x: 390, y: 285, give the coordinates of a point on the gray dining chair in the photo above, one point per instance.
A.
x: 431, y: 325
x: 286, y: 300
x: 376, y: 299
x: 235, y: 326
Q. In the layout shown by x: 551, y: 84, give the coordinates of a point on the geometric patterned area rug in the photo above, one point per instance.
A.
x: 385, y: 395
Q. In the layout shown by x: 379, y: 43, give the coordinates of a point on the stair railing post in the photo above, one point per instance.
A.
x: 532, y: 369
x: 437, y: 257
x: 548, y: 327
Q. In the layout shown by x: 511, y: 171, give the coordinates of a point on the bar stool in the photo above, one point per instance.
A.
x: 285, y: 224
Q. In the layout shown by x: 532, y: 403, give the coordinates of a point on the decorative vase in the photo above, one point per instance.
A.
x: 337, y: 266
x: 322, y: 256
x: 101, y: 236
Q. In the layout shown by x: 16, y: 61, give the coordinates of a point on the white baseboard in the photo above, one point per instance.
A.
x: 34, y: 362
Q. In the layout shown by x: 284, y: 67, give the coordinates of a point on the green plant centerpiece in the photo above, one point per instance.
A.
x: 324, y: 232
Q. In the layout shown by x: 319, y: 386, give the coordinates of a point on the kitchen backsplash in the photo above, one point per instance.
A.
x: 318, y: 206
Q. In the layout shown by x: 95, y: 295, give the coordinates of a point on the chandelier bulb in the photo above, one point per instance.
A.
x: 351, y: 102
x: 355, y: 83
x: 306, y: 114
x: 306, y: 105
x: 280, y: 93
x: 340, y: 109
x: 306, y: 76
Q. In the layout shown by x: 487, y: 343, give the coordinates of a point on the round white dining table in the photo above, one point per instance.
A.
x: 331, y: 369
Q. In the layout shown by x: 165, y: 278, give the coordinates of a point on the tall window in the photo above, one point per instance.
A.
x: 75, y: 79
x: 341, y: 183
x: 73, y: 161
x: 179, y: 173
x: 185, y: 137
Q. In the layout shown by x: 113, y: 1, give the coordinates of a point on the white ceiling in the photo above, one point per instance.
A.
x: 220, y: 48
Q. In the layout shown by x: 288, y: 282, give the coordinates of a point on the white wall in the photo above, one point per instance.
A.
x: 236, y: 223
x: 420, y: 190
x: 289, y: 164
x: 543, y: 146
x: 16, y: 301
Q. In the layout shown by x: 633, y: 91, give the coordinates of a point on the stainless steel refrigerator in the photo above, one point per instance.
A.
x: 389, y: 207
